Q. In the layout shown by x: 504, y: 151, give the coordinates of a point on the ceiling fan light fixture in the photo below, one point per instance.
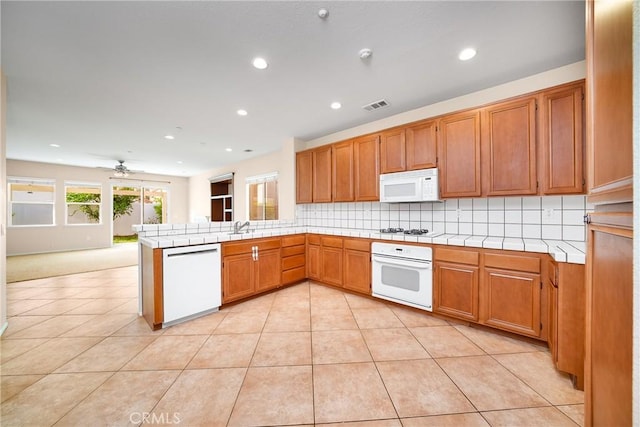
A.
x: 120, y: 170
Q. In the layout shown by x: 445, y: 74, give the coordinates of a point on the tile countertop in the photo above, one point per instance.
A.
x: 562, y: 251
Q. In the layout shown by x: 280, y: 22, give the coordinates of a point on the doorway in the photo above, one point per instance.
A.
x: 135, y: 204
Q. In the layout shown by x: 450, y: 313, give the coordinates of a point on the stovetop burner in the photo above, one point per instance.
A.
x: 392, y: 230
x: 417, y: 232
x: 413, y: 231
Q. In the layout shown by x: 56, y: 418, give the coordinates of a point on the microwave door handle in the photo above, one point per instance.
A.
x: 402, y: 262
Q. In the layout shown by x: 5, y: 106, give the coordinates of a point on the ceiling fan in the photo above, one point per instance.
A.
x: 120, y: 170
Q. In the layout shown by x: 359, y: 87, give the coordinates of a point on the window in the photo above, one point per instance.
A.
x: 84, y: 203
x: 262, y: 192
x: 31, y: 201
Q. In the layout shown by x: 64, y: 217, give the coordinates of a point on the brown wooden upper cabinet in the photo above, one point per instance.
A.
x: 367, y: 168
x: 392, y: 150
x: 322, y: 175
x: 313, y: 175
x: 304, y: 177
x: 343, y: 173
x: 509, y: 147
x: 610, y: 101
x: 459, y: 148
x: 421, y: 145
x: 562, y: 140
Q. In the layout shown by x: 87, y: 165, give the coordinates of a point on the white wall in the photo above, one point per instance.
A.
x: 282, y: 161
x: 62, y: 237
x: 3, y: 206
x: 533, y: 83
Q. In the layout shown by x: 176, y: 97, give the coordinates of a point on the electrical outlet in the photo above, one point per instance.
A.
x: 548, y: 213
x: 458, y: 213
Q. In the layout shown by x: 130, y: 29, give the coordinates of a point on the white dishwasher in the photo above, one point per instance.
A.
x: 191, y: 277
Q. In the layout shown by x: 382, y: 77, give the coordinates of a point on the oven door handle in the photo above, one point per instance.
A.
x: 402, y: 262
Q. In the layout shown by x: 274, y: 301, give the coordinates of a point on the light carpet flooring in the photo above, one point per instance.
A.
x: 76, y: 353
x: 37, y: 266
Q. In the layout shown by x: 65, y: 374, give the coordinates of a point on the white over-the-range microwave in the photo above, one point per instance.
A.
x: 411, y: 186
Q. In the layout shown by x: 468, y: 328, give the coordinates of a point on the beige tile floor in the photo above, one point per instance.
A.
x: 76, y: 353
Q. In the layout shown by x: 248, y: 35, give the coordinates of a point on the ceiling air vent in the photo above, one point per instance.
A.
x: 376, y: 105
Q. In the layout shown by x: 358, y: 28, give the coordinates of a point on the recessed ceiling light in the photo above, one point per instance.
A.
x: 242, y: 112
x: 169, y: 137
x: 467, y: 54
x: 260, y: 63
x: 323, y: 13
x: 179, y: 162
x: 228, y: 150
x: 54, y: 145
x: 336, y: 105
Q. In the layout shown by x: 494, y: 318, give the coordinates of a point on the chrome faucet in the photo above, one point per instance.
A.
x: 237, y: 226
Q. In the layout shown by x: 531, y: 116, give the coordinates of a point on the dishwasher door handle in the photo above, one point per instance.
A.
x: 192, y: 253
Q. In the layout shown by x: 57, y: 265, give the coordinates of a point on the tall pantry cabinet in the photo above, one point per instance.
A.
x: 609, y: 268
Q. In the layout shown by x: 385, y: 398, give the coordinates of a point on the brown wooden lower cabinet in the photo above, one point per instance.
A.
x: 455, y: 283
x: 566, y: 286
x: 293, y: 259
x: 511, y: 293
x: 331, y: 260
x: 357, y: 265
x: 250, y: 267
x: 609, y: 333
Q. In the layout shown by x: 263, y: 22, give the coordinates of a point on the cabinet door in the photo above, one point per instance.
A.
x: 331, y: 266
x: 322, y: 174
x: 304, y: 177
x: 343, y: 172
x: 357, y: 271
x: 509, y: 148
x: 512, y: 301
x: 392, y: 151
x: 609, y: 335
x: 459, y: 147
x: 421, y: 146
x: 610, y: 100
x: 268, y: 270
x: 455, y: 290
x: 313, y: 262
x: 367, y: 168
x: 238, y: 277
x: 561, y: 124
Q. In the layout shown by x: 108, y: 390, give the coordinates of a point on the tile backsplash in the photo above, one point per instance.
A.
x: 546, y: 217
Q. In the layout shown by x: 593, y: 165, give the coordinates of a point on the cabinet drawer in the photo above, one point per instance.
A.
x: 313, y: 239
x: 513, y: 262
x: 333, y: 242
x: 248, y: 245
x: 298, y: 239
x: 293, y: 261
x: 293, y: 275
x: 357, y: 244
x: 457, y: 256
x: 292, y: 250
x: 237, y: 248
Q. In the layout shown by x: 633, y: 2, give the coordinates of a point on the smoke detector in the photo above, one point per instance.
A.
x: 365, y: 53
